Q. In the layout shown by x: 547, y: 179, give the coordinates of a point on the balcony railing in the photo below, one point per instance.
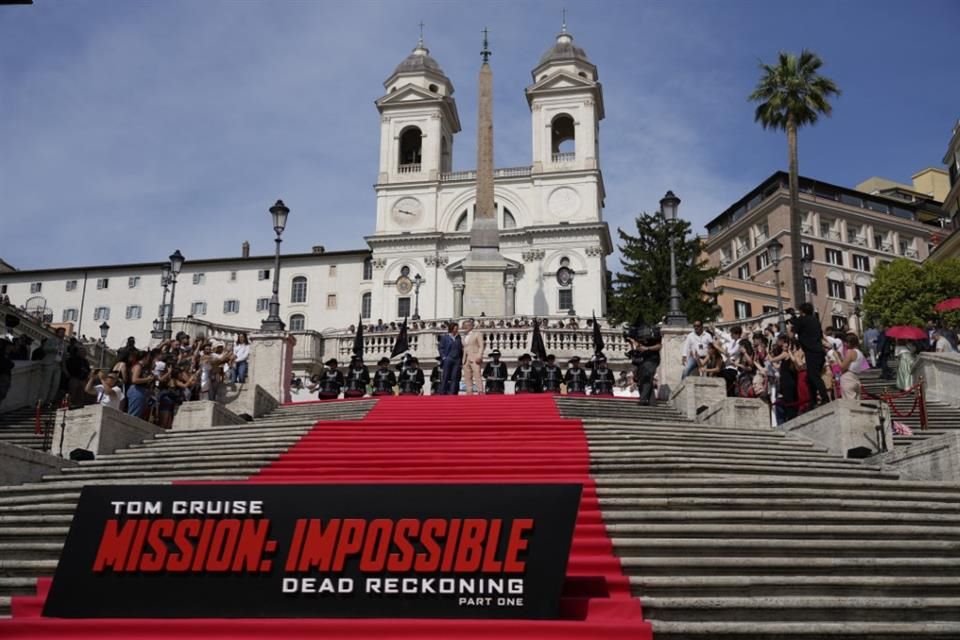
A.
x: 471, y: 174
x: 564, y: 158
x: 409, y: 168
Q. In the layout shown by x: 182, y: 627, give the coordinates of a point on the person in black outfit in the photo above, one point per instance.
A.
x: 602, y: 378
x: 411, y: 378
x: 575, y: 378
x: 645, y: 356
x: 357, y: 379
x: 551, y: 376
x: 330, y: 382
x: 384, y: 380
x: 495, y: 374
x: 435, y: 376
x: 810, y: 337
x: 526, y: 377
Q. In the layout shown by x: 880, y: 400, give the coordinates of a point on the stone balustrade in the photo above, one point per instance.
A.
x: 941, y: 376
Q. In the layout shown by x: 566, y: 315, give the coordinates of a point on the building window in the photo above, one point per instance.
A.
x: 565, y: 302
x: 298, y: 290
x: 742, y: 309
x: 763, y: 231
x: 906, y: 248
x: 133, y: 282
x: 763, y: 261
x: 366, y: 305
x: 199, y: 278
x: 403, y: 307
x: 103, y: 283
x: 231, y: 306
x: 101, y: 313
x: 134, y: 312
x: 806, y: 251
x: 368, y: 269
x: 410, y: 146
x: 263, y: 274
x: 811, y: 285
x: 71, y: 285
x: 36, y: 287
x: 164, y: 310
x: 836, y: 289
x: 861, y: 263
x: 331, y: 301
x: 198, y: 309
x: 838, y: 322
x: 332, y: 272
x: 70, y: 315
x: 877, y: 241
x: 834, y: 256
x: 233, y: 276
x: 744, y: 272
x: 3, y: 288
x: 769, y: 309
x: 297, y: 322
x: 263, y: 304
x: 826, y: 228
x: 858, y: 292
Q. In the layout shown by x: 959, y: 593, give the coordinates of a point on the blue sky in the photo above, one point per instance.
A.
x: 129, y: 129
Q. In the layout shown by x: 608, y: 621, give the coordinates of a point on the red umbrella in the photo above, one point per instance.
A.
x: 950, y: 304
x: 904, y: 332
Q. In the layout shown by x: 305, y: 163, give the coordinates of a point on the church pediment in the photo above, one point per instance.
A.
x: 409, y: 93
x: 561, y: 80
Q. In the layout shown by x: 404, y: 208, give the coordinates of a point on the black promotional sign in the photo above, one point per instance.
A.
x: 348, y: 551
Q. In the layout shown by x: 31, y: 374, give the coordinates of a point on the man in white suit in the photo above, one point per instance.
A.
x: 473, y: 346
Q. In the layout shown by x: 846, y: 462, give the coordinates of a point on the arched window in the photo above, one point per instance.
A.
x: 410, y: 147
x: 505, y: 218
x: 297, y: 322
x: 562, y: 135
x: 509, y: 222
x: 366, y: 305
x: 463, y: 223
x: 298, y: 290
x: 368, y: 269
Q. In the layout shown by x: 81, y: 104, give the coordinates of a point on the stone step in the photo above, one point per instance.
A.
x: 798, y: 547
x: 143, y: 475
x: 920, y: 629
x: 736, y: 503
x: 754, y: 481
x: 758, y: 457
x: 167, y: 463
x: 34, y: 533
x: 794, y: 585
x: 684, y: 464
x: 773, y: 516
x: 12, y: 500
x: 884, y: 493
x: 27, y: 568
x: 785, y: 565
x: 39, y: 507
x: 788, y: 530
x: 786, y: 609
x: 17, y: 585
x: 30, y: 550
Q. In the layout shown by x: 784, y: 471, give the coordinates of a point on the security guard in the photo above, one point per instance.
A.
x: 411, y: 378
x: 330, y: 382
x: 435, y: 377
x: 384, y: 380
x: 551, y: 376
x: 575, y: 378
x: 495, y: 373
x: 526, y: 377
x: 358, y: 377
x: 602, y: 379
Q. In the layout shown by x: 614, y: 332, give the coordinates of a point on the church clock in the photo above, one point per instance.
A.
x: 407, y: 211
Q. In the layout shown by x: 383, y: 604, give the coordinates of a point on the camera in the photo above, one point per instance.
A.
x: 641, y: 333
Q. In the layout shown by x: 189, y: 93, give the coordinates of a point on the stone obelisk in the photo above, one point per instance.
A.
x: 484, y: 267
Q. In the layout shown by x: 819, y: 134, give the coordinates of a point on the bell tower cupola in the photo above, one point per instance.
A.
x: 566, y: 106
x: 418, y: 119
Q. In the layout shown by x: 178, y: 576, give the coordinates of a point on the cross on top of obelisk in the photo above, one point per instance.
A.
x: 421, y: 33
x: 486, y: 53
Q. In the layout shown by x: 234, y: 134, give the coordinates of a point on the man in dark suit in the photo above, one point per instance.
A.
x: 451, y: 350
x: 810, y: 337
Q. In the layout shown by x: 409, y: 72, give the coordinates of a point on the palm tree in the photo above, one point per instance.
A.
x: 792, y: 94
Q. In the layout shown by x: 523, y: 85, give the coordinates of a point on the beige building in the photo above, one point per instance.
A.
x: 846, y: 233
x: 928, y: 184
x: 949, y: 245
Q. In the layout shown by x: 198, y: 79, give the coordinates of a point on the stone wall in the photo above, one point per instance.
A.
x: 20, y: 464
x: 840, y: 426
x: 202, y: 414
x: 99, y: 429
x: 32, y: 381
x: 935, y: 459
x: 941, y: 375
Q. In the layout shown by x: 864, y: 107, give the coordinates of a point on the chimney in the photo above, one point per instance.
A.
x: 318, y: 249
x: 245, y: 249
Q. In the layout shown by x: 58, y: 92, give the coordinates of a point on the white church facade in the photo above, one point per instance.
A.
x: 549, y: 215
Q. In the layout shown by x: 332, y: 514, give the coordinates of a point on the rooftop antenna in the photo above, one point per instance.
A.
x: 486, y: 53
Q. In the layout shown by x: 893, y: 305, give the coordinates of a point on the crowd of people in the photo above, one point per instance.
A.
x: 521, y: 322
x: 805, y: 366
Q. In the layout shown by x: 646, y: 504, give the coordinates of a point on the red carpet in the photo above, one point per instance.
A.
x: 495, y: 439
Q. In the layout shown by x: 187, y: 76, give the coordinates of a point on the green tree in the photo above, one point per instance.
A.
x: 792, y: 94
x: 904, y: 292
x: 641, y: 290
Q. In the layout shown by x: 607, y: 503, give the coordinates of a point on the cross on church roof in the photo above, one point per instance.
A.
x: 486, y: 53
x: 563, y: 27
x: 421, y: 32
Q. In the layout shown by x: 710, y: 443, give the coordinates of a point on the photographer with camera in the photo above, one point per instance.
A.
x: 645, y: 346
x: 109, y: 392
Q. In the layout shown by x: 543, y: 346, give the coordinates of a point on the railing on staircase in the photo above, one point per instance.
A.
x: 918, y: 408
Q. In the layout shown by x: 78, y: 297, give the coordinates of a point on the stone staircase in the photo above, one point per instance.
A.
x: 941, y: 417
x: 19, y: 427
x: 753, y: 534
x: 745, y: 534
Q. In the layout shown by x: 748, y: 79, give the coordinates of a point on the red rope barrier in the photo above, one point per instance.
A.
x: 918, y: 407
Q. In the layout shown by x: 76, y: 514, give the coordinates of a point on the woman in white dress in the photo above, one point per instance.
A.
x: 850, y: 367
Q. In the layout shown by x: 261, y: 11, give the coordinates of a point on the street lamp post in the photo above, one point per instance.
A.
x: 176, y: 263
x: 417, y: 281
x: 668, y: 208
x: 279, y: 212
x: 807, y: 262
x: 160, y: 324
x: 774, y: 248
x: 104, y: 330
